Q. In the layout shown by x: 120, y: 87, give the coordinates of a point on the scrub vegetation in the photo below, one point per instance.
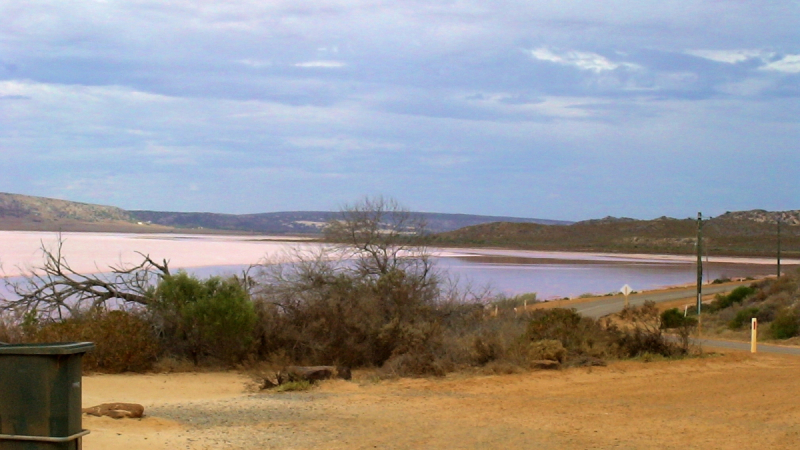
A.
x: 747, y: 233
x: 371, y: 299
x: 774, y: 302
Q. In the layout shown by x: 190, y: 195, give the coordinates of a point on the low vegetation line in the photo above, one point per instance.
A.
x: 386, y: 307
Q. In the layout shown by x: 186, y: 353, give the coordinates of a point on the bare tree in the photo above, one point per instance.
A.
x: 55, y: 289
x: 381, y: 236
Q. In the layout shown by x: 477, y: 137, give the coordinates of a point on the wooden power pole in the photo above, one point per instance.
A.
x: 779, y: 246
x: 699, y: 264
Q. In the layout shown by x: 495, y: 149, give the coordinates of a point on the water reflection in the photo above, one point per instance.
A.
x: 569, y: 277
x: 551, y: 276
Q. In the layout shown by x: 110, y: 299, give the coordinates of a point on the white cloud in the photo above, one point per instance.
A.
x: 255, y: 63
x: 787, y: 64
x: 321, y: 64
x: 582, y: 60
x: 729, y: 56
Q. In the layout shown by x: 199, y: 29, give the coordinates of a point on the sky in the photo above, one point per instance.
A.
x: 555, y: 109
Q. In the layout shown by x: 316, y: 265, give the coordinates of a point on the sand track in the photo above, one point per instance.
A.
x: 732, y: 401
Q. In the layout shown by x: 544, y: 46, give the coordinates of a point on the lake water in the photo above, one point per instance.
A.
x: 552, y: 278
x: 568, y: 275
x: 510, y: 272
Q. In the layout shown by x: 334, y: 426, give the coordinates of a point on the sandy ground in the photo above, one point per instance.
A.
x: 736, y: 400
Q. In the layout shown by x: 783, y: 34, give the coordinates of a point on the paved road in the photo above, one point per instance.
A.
x: 610, y: 305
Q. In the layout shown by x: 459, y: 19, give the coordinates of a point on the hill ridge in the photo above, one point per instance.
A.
x: 24, y: 212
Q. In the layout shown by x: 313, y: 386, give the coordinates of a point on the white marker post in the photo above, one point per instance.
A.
x: 753, y: 334
x: 626, y: 290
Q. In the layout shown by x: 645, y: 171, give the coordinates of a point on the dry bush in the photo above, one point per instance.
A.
x: 473, y: 337
x: 413, y: 364
x: 11, y: 330
x: 580, y: 336
x: 647, y: 341
x: 370, y: 299
x: 642, y: 334
x: 644, y: 315
x: 318, y: 312
x: 124, y: 340
x: 548, y: 349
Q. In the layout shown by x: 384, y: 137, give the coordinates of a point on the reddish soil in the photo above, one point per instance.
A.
x: 727, y: 401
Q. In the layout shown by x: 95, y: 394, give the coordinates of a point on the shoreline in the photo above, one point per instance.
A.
x: 95, y: 252
x: 601, y: 256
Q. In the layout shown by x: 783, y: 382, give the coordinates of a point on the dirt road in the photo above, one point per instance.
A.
x: 732, y: 401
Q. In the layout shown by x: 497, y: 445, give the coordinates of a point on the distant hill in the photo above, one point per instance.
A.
x: 50, y: 209
x: 746, y: 233
x: 22, y: 212
x: 734, y: 233
x: 306, y: 222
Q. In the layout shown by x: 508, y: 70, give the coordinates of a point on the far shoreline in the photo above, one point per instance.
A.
x: 95, y: 252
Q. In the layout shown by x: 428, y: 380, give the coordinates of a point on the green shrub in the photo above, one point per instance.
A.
x: 736, y: 296
x: 204, y: 318
x: 786, y: 325
x: 673, y: 318
x: 740, y: 293
x: 743, y: 317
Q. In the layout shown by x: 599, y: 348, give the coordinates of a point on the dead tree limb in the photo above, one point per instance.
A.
x: 54, y: 289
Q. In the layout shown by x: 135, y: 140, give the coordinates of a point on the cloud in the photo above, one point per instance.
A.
x: 787, y: 64
x: 254, y: 63
x: 314, y: 104
x: 730, y: 56
x: 322, y: 64
x: 770, y: 61
x: 582, y: 60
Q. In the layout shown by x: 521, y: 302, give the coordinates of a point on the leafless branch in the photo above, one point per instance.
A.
x: 381, y: 236
x: 55, y: 289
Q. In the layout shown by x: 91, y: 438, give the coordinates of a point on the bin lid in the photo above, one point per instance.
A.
x: 56, y: 348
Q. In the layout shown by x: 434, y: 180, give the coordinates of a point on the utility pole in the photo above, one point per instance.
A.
x: 779, y: 246
x: 699, y: 265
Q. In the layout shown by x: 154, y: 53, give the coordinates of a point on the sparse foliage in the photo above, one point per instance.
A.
x: 381, y: 237
x: 369, y: 298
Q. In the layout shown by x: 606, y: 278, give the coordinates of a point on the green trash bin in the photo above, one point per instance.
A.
x: 40, y: 396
